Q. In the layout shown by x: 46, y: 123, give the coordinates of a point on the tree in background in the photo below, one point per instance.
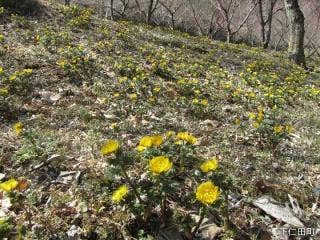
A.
x: 228, y: 10
x: 151, y: 8
x: 296, y: 32
x: 117, y: 9
x: 172, y: 7
x: 230, y: 20
x: 265, y: 19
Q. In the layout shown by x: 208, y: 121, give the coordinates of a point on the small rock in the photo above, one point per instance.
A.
x: 50, y: 96
x: 2, y: 176
x: 74, y: 233
x: 276, y: 166
x: 317, y: 190
x: 249, y: 168
x: 276, y: 210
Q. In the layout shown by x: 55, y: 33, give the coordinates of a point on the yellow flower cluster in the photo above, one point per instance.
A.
x: 3, y: 91
x: 78, y: 17
x: 280, y: 129
x: 120, y: 193
x: 203, y: 102
x: 207, y: 193
x: 160, y: 164
x: 109, y: 147
x: 157, y: 140
x: 258, y: 118
x: 149, y: 141
x: 209, y: 165
x: 133, y: 96
x: 187, y: 137
x: 17, y: 128
x: 9, y: 185
x: 62, y: 63
x: 24, y: 73
x: 157, y: 89
x: 74, y: 60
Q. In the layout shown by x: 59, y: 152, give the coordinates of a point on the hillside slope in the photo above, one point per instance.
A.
x: 70, y: 80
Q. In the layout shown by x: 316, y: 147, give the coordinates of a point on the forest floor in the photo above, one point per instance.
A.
x: 70, y: 81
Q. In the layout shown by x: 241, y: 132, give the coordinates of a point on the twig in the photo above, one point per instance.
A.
x: 131, y: 185
x: 202, y: 215
x: 54, y: 157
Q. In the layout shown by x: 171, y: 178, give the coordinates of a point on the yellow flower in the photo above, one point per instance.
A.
x: 151, y: 99
x: 133, y: 96
x: 182, y: 81
x: 13, y: 77
x: 160, y: 164
x: 209, y: 165
x: 116, y: 94
x: 123, y: 79
x: 195, y: 81
x: 289, y: 128
x: 251, y: 94
x: 146, y: 141
x: 237, y: 121
x: 3, y: 91
x: 9, y: 185
x: 26, y: 71
x: 260, y: 115
x: 2, y: 219
x: 120, y: 193
x: 149, y: 141
x: 18, y: 128
x: 169, y: 134
x: 141, y: 148
x: 252, y: 115
x: 185, y: 136
x: 256, y: 125
x: 157, y: 140
x: 114, y: 125
x: 278, y: 128
x: 1, y: 70
x: 157, y: 89
x: 195, y: 101
x: 110, y: 146
x: 204, y: 102
x: 207, y: 193
x: 62, y: 63
x: 196, y: 92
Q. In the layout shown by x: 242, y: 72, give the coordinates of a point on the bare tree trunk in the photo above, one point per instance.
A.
x: 229, y: 33
x: 153, y: 4
x: 296, y: 32
x: 266, y: 21
x: 268, y: 32
x: 112, y: 9
x: 195, y: 17
x: 172, y: 10
x: 149, y: 13
x: 261, y: 21
x: 228, y: 12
